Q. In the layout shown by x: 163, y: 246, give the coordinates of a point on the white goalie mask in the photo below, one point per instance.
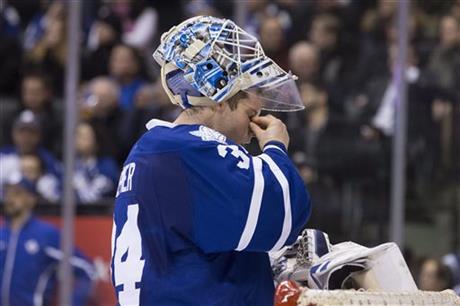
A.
x: 206, y: 60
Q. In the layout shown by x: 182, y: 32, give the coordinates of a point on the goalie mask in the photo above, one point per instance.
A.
x: 206, y: 60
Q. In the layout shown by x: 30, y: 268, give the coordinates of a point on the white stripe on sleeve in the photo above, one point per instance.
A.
x: 287, y: 223
x: 74, y: 261
x: 42, y: 283
x: 254, y: 208
x: 274, y: 147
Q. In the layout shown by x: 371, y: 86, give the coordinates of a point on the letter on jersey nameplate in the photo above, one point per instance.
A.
x: 126, y: 178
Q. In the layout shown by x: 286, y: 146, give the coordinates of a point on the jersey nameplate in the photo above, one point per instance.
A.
x: 126, y: 178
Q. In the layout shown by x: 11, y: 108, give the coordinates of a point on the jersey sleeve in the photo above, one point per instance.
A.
x: 83, y: 269
x: 242, y: 202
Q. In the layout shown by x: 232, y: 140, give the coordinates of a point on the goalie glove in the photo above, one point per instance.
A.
x: 294, y: 262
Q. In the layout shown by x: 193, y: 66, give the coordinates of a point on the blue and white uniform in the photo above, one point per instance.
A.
x: 29, y: 258
x: 95, y: 179
x: 195, y: 216
x: 48, y: 186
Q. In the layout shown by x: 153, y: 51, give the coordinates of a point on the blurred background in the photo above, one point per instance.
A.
x: 344, y: 53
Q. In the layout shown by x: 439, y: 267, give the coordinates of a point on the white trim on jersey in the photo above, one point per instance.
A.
x: 287, y: 223
x: 74, y: 261
x: 157, y: 122
x: 9, y: 265
x: 114, y: 232
x: 274, y: 147
x: 41, y: 284
x: 254, y: 208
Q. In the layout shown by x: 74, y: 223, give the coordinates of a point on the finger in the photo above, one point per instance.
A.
x: 267, y: 118
x: 262, y: 120
x: 255, y: 129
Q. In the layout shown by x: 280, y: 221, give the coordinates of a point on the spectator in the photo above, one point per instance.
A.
x: 375, y: 23
x: 27, y: 135
x: 104, y: 34
x: 324, y: 34
x: 327, y: 139
x: 99, y: 99
x: 332, y: 158
x: 375, y: 19
x: 455, y: 9
x: 10, y: 22
x: 96, y: 174
x: 434, y: 276
x: 259, y: 11
x: 377, y: 106
x: 154, y: 98
x: 299, y: 17
x: 170, y: 13
x: 444, y: 62
x: 256, y: 14
x: 383, y: 119
x: 125, y: 68
x: 375, y: 110
x: 50, y: 52
x: 442, y: 74
x: 375, y: 43
x: 150, y: 102
x: 37, y: 96
x: 30, y: 254
x: 46, y: 184
x: 272, y: 40
x: 10, y: 51
x: 46, y: 10
x: 99, y: 104
x: 202, y: 8
x: 141, y: 28
x: 304, y: 61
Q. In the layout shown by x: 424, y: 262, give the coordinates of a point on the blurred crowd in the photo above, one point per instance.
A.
x: 343, y: 52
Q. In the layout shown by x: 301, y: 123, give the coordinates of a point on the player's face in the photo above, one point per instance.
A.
x: 235, y: 123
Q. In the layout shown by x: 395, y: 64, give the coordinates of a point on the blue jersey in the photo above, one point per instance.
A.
x: 195, y: 216
x: 49, y: 187
x: 29, y: 259
x: 95, y: 179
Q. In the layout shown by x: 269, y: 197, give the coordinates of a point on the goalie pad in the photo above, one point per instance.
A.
x: 380, y: 268
x: 315, y: 262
